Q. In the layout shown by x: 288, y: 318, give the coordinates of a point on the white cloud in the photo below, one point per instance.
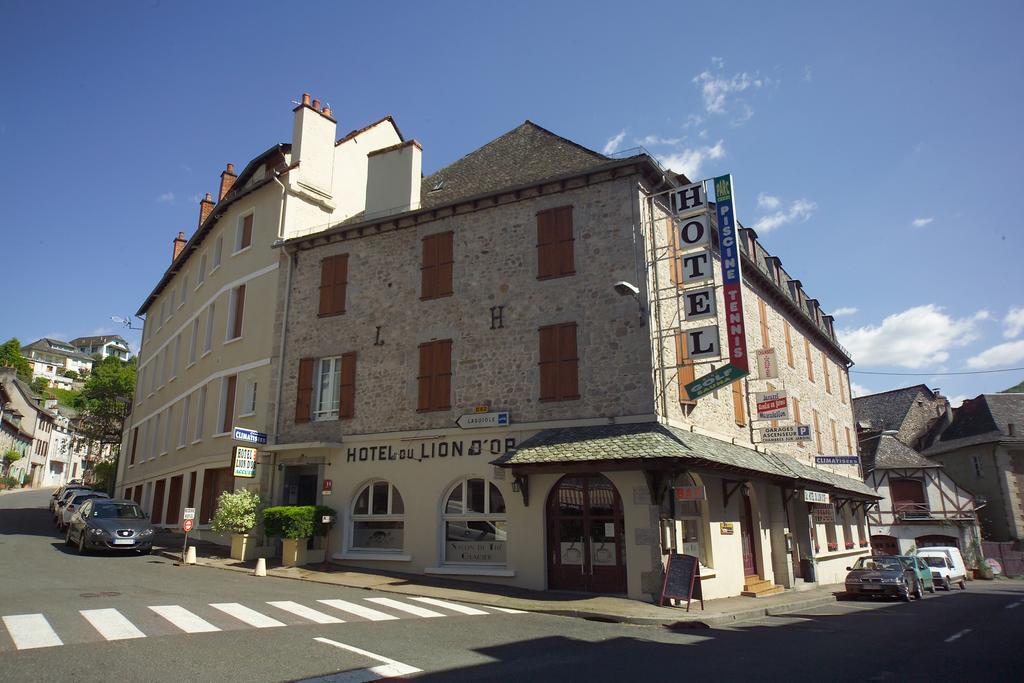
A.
x: 957, y: 401
x: 799, y: 210
x: 165, y: 198
x: 921, y: 222
x: 844, y: 310
x: 651, y: 140
x: 767, y: 201
x: 690, y: 160
x: 808, y: 74
x: 859, y: 390
x: 999, y: 355
x: 718, y: 62
x: 716, y: 89
x: 914, y: 338
x: 1013, y: 323
x: 613, y: 143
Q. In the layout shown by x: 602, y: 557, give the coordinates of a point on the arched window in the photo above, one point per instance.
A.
x: 474, y: 524
x: 686, y: 510
x: 378, y: 518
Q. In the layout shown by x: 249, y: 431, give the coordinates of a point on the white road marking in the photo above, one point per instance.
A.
x: 183, y: 619
x: 111, y: 624
x: 411, y: 609
x: 508, y: 609
x: 306, y: 612
x: 30, y: 631
x: 955, y: 636
x: 1015, y: 604
x: 451, y: 605
x: 249, y: 616
x: 389, y: 668
x: 358, y: 610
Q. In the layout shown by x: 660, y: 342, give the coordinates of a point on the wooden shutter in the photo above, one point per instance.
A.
x: 684, y: 369
x: 304, y: 396
x: 824, y: 370
x: 568, y: 363
x: 174, y: 500
x: 765, y: 338
x: 191, y: 490
x: 207, y: 500
x: 548, y: 363
x: 333, y: 284
x: 428, y: 269
x: 246, y: 231
x: 229, y: 403
x: 789, y: 344
x: 348, y: 385
x: 425, y: 375
x: 738, y: 409
x: 239, y: 311
x: 441, y: 382
x: 807, y: 356
x: 436, y: 270
x: 817, y: 431
x: 842, y: 386
x: 135, y: 443
x: 835, y: 439
x: 796, y: 416
x: 555, y: 257
x: 157, y: 515
x: 849, y: 445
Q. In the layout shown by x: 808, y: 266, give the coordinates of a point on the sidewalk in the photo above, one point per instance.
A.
x: 598, y: 608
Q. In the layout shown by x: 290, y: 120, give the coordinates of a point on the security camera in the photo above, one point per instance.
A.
x: 626, y: 289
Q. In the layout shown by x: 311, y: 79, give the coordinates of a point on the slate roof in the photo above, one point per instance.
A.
x: 655, y: 441
x: 56, y: 346
x: 888, y: 409
x: 889, y: 453
x: 103, y: 339
x: 526, y: 154
x: 984, y: 419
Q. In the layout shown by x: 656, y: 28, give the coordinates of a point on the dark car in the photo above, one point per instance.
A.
x: 110, y: 524
x: 881, y: 575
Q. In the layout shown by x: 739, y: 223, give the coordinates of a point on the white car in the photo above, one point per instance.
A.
x: 947, y: 565
x: 73, y: 504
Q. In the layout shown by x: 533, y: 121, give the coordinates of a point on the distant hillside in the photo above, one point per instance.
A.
x: 1019, y: 389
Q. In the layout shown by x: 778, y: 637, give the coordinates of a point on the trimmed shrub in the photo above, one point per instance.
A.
x: 296, y: 521
x: 237, y: 512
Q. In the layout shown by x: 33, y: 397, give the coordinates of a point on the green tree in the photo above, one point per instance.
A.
x: 10, y: 457
x: 40, y: 386
x: 104, y: 400
x: 10, y: 357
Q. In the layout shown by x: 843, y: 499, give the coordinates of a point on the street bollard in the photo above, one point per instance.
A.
x: 261, y: 567
x: 190, y: 556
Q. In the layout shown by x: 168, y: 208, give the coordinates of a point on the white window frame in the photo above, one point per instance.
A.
x: 202, y: 271
x: 238, y: 248
x: 218, y: 249
x: 211, y: 311
x: 223, y: 409
x: 334, y: 385
x: 200, y: 413
x: 249, y: 398
x: 168, y: 431
x: 193, y: 346
x: 176, y: 358
x: 232, y: 312
x: 370, y: 516
x: 485, y: 516
x: 186, y: 405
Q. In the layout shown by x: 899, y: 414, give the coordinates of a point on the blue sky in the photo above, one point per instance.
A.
x: 875, y: 147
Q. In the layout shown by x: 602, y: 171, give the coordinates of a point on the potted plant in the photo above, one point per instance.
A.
x: 849, y: 545
x: 237, y: 514
x: 832, y: 547
x: 864, y: 543
x: 295, y: 525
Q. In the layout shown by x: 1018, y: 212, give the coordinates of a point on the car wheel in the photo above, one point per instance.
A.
x: 963, y: 584
x: 945, y: 583
x: 931, y: 586
x: 918, y: 591
x: 82, y: 550
x: 67, y: 537
x: 905, y: 593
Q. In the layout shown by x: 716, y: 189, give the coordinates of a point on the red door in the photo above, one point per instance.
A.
x: 174, y: 500
x: 585, y: 536
x: 158, y: 502
x: 747, y: 537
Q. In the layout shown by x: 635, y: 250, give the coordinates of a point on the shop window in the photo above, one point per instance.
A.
x: 333, y: 284
x: 436, y: 268
x: 559, y: 363
x: 690, y: 522
x: 555, y: 243
x: 378, y: 518
x: 475, y: 527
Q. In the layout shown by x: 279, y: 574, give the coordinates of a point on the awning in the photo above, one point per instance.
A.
x: 652, y: 445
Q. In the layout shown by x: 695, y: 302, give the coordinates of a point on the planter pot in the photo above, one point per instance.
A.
x: 316, y: 556
x: 243, y: 547
x: 293, y: 552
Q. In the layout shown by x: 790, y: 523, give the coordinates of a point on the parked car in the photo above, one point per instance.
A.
x: 922, y: 575
x: 881, y: 575
x: 59, y: 493
x: 75, y: 502
x: 110, y: 524
x: 947, y: 566
x: 62, y: 501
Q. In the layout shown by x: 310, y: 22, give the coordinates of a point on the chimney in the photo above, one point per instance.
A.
x: 393, y: 177
x: 227, y: 181
x: 313, y: 146
x: 179, y: 246
x: 205, y: 208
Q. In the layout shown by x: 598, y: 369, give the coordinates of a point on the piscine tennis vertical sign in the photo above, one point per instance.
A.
x: 732, y: 294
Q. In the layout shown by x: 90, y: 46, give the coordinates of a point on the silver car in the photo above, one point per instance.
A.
x: 110, y: 524
x: 73, y: 503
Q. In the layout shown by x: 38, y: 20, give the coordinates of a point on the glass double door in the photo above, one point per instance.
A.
x: 585, y: 536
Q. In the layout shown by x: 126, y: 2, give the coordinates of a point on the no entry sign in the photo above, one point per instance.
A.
x: 187, y: 525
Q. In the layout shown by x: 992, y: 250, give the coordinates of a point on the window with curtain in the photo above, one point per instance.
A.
x: 475, y: 527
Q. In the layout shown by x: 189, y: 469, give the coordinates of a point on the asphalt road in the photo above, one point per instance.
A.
x: 57, y: 611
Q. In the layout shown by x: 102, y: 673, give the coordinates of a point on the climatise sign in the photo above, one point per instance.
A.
x: 772, y: 405
x: 249, y: 435
x: 786, y: 433
x: 836, y: 460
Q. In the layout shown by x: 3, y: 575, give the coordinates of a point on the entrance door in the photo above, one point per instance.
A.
x: 585, y: 536
x: 307, y: 489
x: 747, y: 537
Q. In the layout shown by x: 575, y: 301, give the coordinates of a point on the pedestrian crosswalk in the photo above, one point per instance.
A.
x: 32, y: 631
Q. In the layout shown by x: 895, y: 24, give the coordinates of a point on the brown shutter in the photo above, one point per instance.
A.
x: 547, y: 256
x: 348, y: 385
x: 246, y: 231
x: 445, y: 262
x: 849, y: 445
x: 191, y: 490
x: 548, y: 363
x: 239, y: 311
x: 789, y: 344
x: 568, y: 363
x: 326, y: 285
x: 807, y: 356
x: 135, y: 443
x: 441, y: 384
x: 424, y: 378
x: 796, y: 416
x: 835, y: 439
x: 157, y: 517
x: 207, y: 500
x: 229, y: 403
x: 766, y: 341
x: 563, y: 223
x: 824, y: 370
x: 174, y: 500
x: 842, y: 388
x: 738, y: 410
x: 340, y: 283
x: 817, y: 431
x: 304, y: 397
x: 684, y: 369
x: 428, y: 269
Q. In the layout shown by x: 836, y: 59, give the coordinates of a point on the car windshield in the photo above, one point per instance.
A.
x: 935, y: 561
x: 879, y: 564
x: 117, y: 511
x: 86, y: 496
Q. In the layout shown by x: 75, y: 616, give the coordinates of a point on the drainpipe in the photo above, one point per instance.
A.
x: 284, y: 328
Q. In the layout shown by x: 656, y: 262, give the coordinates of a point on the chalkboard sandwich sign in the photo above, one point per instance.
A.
x: 682, y: 580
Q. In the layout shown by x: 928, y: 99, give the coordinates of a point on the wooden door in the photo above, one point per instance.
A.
x: 158, y: 502
x: 174, y: 500
x: 747, y: 539
x: 585, y: 536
